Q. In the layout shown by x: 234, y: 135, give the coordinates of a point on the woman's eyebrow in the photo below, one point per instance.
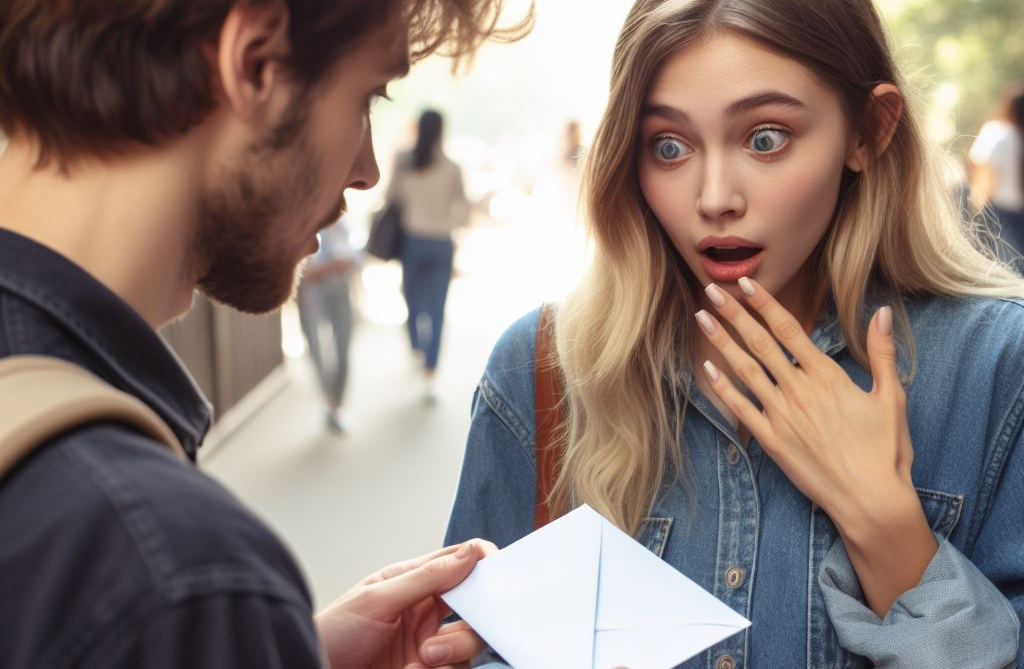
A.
x: 764, y: 99
x: 740, y: 106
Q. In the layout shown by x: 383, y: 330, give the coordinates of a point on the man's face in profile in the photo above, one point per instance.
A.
x: 260, y: 218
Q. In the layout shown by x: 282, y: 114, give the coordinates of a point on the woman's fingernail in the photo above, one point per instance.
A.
x: 712, y: 371
x: 716, y: 295
x: 464, y: 552
x: 705, y: 322
x: 885, y: 320
x: 437, y: 653
x: 747, y: 286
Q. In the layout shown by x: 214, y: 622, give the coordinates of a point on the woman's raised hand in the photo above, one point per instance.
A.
x: 847, y: 450
x: 844, y: 448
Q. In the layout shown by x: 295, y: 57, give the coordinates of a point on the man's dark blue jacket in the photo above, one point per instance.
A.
x: 113, y: 553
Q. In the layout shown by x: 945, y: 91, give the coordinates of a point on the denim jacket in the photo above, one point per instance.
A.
x: 741, y: 530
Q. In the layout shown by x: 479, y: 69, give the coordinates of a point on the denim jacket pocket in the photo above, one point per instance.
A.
x: 654, y: 534
x: 942, y: 509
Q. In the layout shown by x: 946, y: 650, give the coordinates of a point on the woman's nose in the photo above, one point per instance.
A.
x: 720, y: 193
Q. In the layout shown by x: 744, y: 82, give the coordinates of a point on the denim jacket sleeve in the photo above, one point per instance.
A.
x: 966, y: 610
x: 954, y: 617
x: 496, y: 492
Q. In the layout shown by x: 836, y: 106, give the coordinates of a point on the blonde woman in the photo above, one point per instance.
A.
x: 759, y: 178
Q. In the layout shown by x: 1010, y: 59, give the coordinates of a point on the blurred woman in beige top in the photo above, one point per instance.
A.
x: 428, y: 186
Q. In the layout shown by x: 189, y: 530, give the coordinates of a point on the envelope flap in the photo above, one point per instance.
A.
x: 535, y: 601
x: 638, y: 590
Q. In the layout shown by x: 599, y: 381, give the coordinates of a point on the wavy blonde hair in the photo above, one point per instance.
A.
x: 625, y: 335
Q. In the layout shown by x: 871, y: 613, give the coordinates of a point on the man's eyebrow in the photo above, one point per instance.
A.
x: 736, y: 108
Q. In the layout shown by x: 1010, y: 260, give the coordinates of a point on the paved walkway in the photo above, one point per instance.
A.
x: 349, y: 505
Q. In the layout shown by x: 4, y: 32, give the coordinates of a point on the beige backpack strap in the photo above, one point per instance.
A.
x: 40, y: 397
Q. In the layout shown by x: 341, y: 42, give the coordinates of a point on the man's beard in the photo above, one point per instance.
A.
x: 245, y: 249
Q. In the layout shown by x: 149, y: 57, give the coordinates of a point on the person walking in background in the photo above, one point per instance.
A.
x: 324, y: 300
x: 429, y: 187
x: 997, y: 170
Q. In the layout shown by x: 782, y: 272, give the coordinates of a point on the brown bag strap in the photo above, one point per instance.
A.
x: 548, y: 394
x: 40, y: 397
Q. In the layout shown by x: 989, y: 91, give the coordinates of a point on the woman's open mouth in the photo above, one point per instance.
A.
x: 729, y: 259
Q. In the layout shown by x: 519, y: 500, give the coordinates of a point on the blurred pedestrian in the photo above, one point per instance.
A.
x: 997, y: 175
x: 429, y: 187
x: 325, y: 311
x: 573, y: 145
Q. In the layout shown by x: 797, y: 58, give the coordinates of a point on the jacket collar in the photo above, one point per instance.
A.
x: 105, y: 335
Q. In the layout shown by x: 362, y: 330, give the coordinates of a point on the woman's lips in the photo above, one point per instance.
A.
x: 726, y: 271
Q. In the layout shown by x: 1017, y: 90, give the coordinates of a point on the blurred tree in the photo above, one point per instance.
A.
x: 962, y: 54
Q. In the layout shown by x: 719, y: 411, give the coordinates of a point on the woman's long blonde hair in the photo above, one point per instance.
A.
x: 625, y: 335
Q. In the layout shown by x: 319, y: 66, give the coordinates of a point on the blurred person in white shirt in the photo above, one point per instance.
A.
x: 325, y: 311
x: 997, y: 161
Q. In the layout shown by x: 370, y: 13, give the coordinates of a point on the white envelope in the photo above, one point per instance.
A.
x: 581, y: 594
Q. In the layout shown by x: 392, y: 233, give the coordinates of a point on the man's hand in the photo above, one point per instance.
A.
x: 392, y: 619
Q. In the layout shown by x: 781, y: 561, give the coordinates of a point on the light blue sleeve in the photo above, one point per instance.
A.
x: 954, y: 617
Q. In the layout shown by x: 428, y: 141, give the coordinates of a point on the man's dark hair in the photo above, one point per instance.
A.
x: 98, y: 77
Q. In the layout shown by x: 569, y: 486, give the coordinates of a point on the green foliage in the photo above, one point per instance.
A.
x: 971, y: 47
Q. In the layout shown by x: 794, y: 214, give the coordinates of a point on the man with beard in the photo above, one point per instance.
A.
x: 157, y: 146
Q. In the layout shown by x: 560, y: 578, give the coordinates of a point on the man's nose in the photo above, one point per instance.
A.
x: 365, y: 173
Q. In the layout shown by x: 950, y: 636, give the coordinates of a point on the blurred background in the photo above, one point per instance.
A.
x: 354, y: 482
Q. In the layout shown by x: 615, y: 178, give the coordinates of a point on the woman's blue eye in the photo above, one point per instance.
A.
x: 768, y: 140
x: 668, y: 150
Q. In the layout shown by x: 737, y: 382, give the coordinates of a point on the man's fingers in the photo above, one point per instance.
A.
x: 386, y: 599
x: 399, y: 568
x: 452, y: 644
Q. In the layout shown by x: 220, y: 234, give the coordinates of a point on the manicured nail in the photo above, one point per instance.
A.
x: 716, y: 295
x: 705, y: 322
x: 885, y: 320
x: 711, y: 371
x: 747, y: 286
x: 437, y: 653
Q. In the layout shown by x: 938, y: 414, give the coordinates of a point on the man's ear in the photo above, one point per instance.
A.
x: 886, y: 109
x: 252, y: 43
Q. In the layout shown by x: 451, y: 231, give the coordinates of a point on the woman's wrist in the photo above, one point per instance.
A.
x: 890, y: 544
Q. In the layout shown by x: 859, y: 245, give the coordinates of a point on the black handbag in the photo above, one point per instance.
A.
x: 385, y: 240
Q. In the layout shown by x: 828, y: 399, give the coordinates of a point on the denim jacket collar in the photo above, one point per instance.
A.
x: 115, y: 342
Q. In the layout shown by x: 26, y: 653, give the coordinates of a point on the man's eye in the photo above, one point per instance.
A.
x: 669, y: 149
x: 768, y: 140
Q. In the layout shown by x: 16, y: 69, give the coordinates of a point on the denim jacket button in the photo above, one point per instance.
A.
x: 726, y: 662
x: 733, y: 456
x: 734, y: 576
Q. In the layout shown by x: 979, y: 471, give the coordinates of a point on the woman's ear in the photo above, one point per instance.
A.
x: 250, y: 47
x: 886, y: 109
